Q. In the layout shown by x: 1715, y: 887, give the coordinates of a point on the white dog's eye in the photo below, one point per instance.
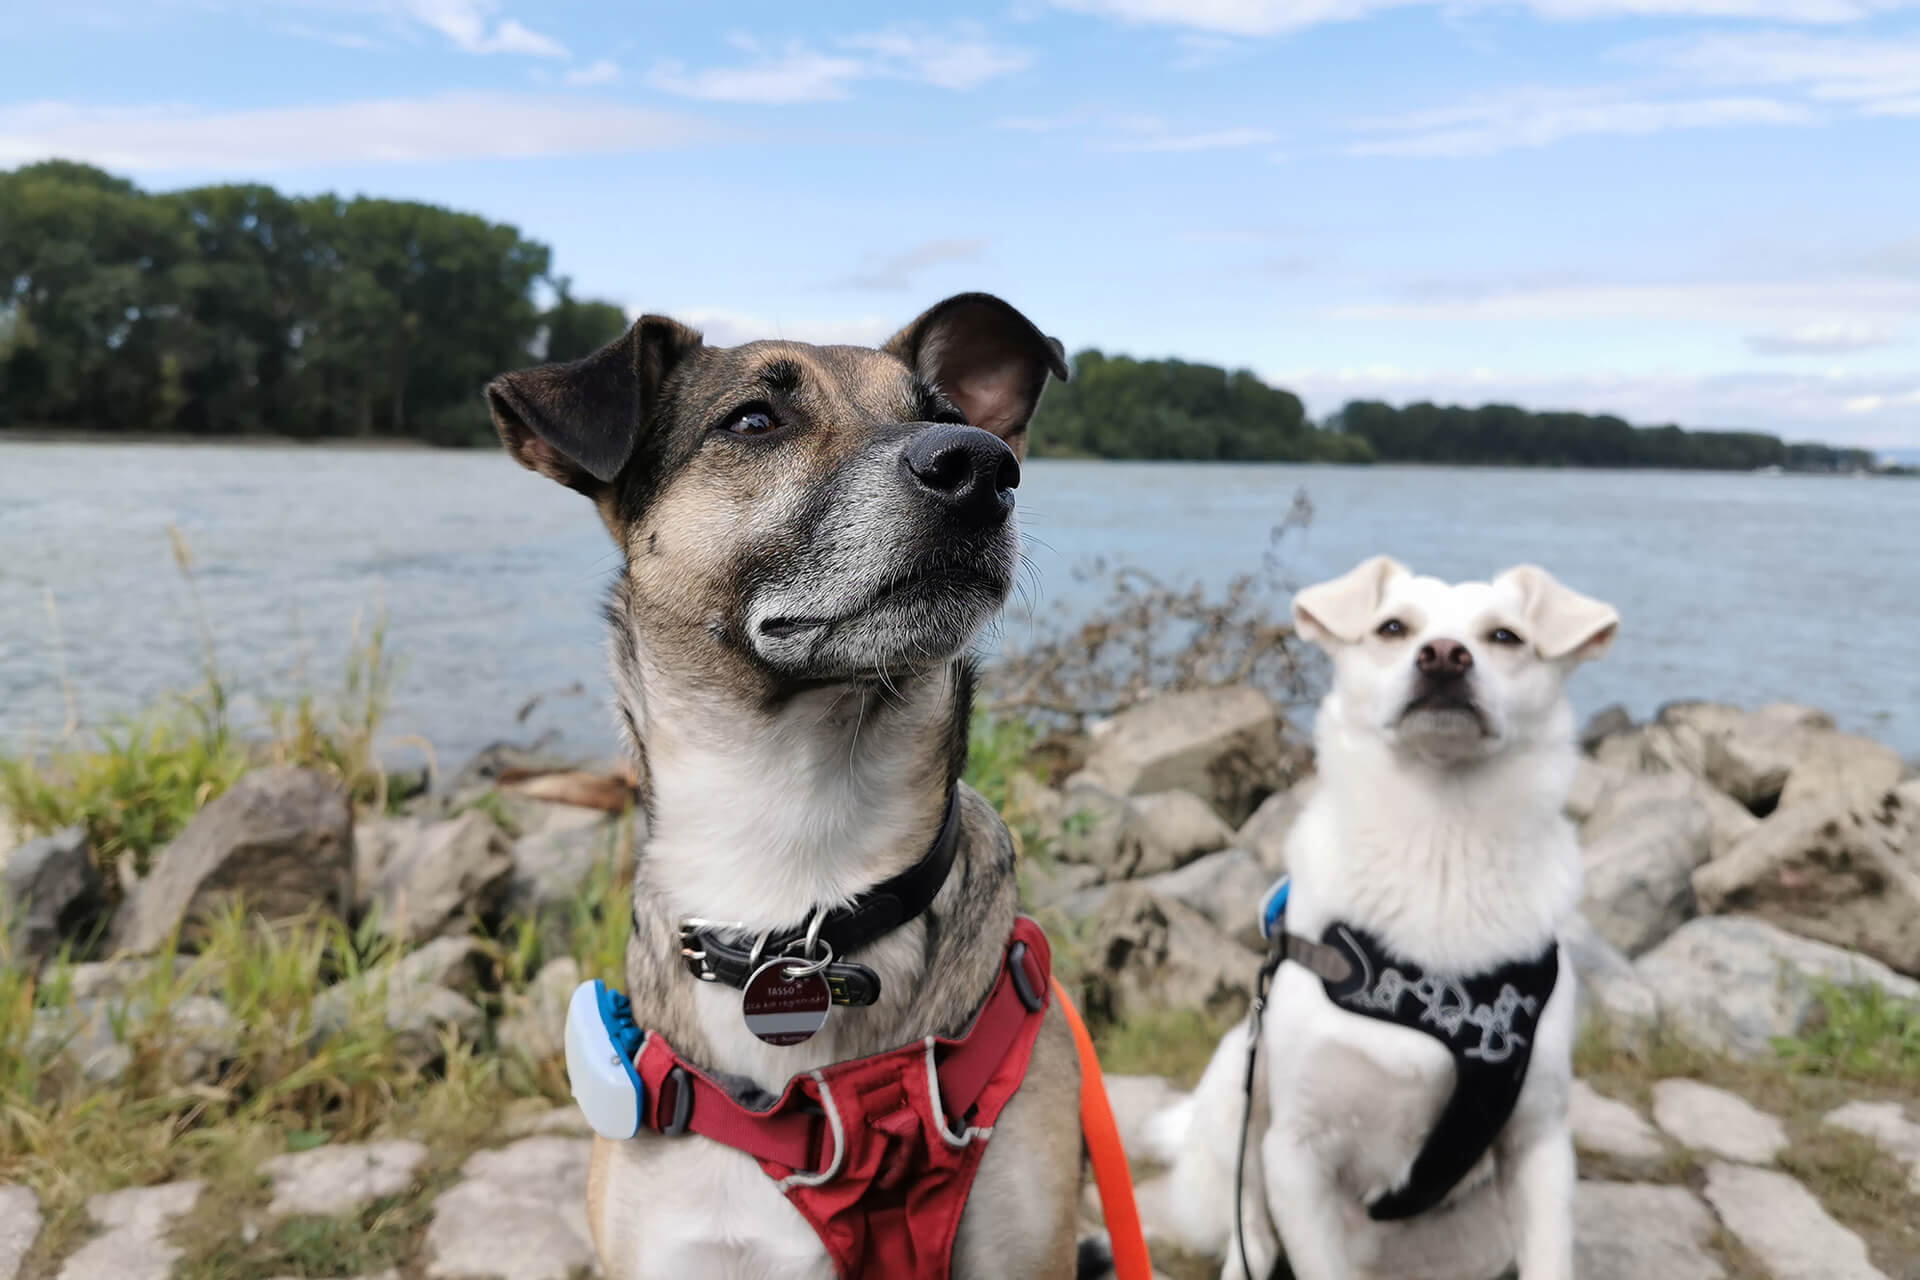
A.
x: 1501, y: 635
x: 1392, y: 628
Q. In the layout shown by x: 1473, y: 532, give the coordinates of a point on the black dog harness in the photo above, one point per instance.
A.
x: 1486, y: 1021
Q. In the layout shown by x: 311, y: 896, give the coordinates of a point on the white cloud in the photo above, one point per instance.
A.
x: 954, y: 61
x: 1214, y: 140
x: 379, y: 131
x: 1857, y: 300
x: 799, y: 75
x: 604, y: 71
x: 724, y: 328
x: 1863, y: 410
x: 1536, y: 118
x: 898, y: 271
x: 1874, y: 403
x: 1274, y: 17
x: 1107, y: 130
x: 959, y: 59
x: 1845, y: 338
x: 469, y: 25
x: 1880, y: 76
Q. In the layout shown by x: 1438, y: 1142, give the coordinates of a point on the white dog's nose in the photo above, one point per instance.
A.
x: 1444, y: 659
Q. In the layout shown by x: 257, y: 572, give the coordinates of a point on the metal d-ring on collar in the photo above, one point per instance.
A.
x: 829, y: 934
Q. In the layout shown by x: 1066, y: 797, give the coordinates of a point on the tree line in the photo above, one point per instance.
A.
x: 236, y: 310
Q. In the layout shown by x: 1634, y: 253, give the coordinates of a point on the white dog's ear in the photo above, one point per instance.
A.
x: 1341, y: 609
x: 1565, y: 624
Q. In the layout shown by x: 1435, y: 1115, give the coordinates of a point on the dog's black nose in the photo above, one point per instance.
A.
x: 970, y: 472
x: 1444, y: 660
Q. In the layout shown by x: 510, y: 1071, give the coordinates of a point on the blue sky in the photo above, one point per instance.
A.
x: 1704, y: 211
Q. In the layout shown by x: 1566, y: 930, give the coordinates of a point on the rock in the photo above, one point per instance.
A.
x: 1780, y: 1223
x: 280, y: 838
x: 1085, y: 904
x: 1222, y: 744
x: 1148, y: 953
x: 1265, y: 833
x: 52, y: 893
x: 1630, y: 1231
x: 1728, y: 984
x: 520, y: 1214
x: 133, y: 1243
x: 1225, y: 887
x: 566, y: 1120
x: 1717, y: 1122
x: 1136, y: 1101
x: 1611, y: 994
x: 201, y: 1036
x: 1751, y: 760
x: 1179, y: 828
x: 1592, y: 783
x: 1835, y: 766
x: 1604, y: 724
x: 1829, y: 871
x: 508, y: 760
x: 333, y: 1180
x: 1031, y: 802
x: 1884, y: 1122
x: 1048, y: 882
x: 19, y: 1227
x: 120, y: 976
x: 586, y: 789
x: 81, y: 1039
x: 1610, y: 1127
x: 1100, y: 829
x: 423, y: 999
x: 430, y: 878
x: 1639, y: 871
x: 534, y: 1025
x: 549, y: 868
x: 1621, y: 795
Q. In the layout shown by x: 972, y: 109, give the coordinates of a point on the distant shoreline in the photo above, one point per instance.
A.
x: 389, y: 444
x: 70, y: 435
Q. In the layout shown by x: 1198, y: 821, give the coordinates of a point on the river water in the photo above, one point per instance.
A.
x: 1742, y: 588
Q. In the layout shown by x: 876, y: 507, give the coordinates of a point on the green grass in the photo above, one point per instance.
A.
x: 1176, y: 1043
x: 135, y: 783
x: 1860, y: 1034
x: 997, y: 749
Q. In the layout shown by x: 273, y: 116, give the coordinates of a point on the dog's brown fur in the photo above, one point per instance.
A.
x: 720, y: 531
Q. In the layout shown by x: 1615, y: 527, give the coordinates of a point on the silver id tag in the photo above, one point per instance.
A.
x: 782, y: 1010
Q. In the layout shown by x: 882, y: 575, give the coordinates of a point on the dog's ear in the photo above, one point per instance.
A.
x: 1339, y: 611
x: 577, y: 422
x: 986, y: 357
x: 1565, y: 624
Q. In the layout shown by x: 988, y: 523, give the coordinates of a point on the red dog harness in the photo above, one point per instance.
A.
x: 877, y: 1153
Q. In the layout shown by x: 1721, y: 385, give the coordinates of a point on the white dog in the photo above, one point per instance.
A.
x: 1429, y: 874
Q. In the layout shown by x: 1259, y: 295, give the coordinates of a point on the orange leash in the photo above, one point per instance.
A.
x: 1110, y: 1171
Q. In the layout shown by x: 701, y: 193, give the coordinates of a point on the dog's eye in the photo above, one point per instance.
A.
x: 1391, y: 628
x: 1501, y: 635
x: 753, y: 420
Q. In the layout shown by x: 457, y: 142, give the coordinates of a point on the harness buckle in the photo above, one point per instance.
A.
x: 1022, y: 984
x: 680, y: 1084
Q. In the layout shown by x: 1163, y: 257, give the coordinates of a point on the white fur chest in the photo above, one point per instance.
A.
x: 702, y: 1210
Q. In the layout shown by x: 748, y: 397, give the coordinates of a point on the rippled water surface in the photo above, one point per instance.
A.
x: 1735, y: 587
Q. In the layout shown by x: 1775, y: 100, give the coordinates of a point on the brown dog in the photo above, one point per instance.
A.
x: 813, y: 537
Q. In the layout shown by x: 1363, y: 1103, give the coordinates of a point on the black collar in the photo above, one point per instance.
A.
x: 712, y: 956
